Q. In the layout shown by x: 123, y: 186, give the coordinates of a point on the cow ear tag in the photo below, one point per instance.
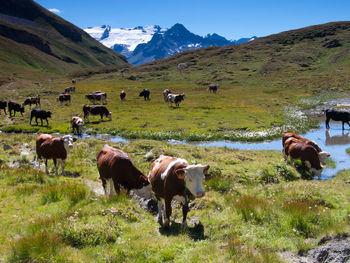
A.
x: 180, y: 173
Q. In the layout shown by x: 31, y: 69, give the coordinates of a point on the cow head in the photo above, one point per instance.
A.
x: 193, y: 175
x: 68, y: 142
x: 21, y: 109
x: 109, y: 115
x: 49, y: 114
x: 323, y: 157
x: 183, y: 96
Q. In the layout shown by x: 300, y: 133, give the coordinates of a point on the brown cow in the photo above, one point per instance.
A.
x: 96, y: 110
x: 213, y: 88
x: 55, y: 148
x: 32, y: 100
x: 115, y: 166
x: 64, y: 97
x: 173, y: 178
x: 77, y: 124
x: 297, y: 149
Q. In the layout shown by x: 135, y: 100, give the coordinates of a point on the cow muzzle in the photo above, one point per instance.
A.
x: 200, y: 194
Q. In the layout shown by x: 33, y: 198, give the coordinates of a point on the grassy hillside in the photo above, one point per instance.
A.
x: 255, y: 207
x: 32, y: 38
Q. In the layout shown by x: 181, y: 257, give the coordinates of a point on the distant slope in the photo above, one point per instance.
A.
x: 315, y: 52
x: 145, y: 44
x: 33, y: 38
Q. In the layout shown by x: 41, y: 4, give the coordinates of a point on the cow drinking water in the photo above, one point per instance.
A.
x: 77, y: 124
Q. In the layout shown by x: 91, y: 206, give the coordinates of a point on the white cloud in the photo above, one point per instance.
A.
x: 55, y: 10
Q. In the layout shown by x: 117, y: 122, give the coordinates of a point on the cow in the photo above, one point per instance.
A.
x: 145, y: 94
x: 166, y: 92
x: 173, y: 178
x: 40, y: 114
x: 116, y: 167
x: 74, y: 81
x: 97, y: 96
x: 297, y: 149
x: 3, y: 105
x: 122, y: 95
x: 176, y: 98
x: 287, y: 134
x: 337, y: 115
x: 213, y: 88
x: 55, y: 148
x: 64, y: 97
x: 32, y: 100
x: 69, y: 89
x: 96, y: 110
x: 15, y: 106
x: 77, y: 124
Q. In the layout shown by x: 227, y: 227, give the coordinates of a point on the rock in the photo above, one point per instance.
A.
x: 6, y: 147
x: 149, y: 156
x: 333, y: 43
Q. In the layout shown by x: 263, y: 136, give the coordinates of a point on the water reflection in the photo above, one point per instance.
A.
x: 337, y: 139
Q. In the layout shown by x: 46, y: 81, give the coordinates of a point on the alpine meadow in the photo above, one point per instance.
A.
x: 225, y: 204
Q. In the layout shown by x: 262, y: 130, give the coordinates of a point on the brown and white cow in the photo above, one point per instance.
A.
x: 64, y: 97
x: 166, y: 92
x: 96, y: 110
x: 97, y: 96
x: 77, y: 124
x: 176, y: 98
x: 287, y: 134
x: 32, y: 100
x: 297, y: 149
x: 116, y: 167
x: 69, y: 89
x: 55, y: 148
x: 173, y: 178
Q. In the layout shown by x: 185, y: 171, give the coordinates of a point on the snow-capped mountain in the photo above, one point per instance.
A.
x: 145, y: 44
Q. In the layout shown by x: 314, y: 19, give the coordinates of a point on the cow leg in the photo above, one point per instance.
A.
x: 327, y: 122
x: 104, y: 184
x: 285, y: 157
x: 36, y: 120
x: 46, y: 168
x: 116, y: 185
x: 56, y: 166
x: 184, y: 214
x: 342, y: 122
x: 62, y: 166
x: 47, y: 122
x: 160, y: 212
x: 167, y: 211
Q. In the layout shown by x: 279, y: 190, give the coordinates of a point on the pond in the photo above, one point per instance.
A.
x: 335, y: 141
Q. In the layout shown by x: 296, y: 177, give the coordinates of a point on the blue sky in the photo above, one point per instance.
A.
x: 229, y: 18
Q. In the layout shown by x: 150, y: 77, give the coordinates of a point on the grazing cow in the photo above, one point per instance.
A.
x: 337, y: 115
x: 96, y: 110
x: 15, y: 106
x: 77, y: 124
x: 55, y: 148
x: 3, y: 105
x: 287, y: 134
x: 173, y: 178
x: 122, y: 95
x: 97, y: 96
x: 166, y: 92
x: 213, y: 88
x: 69, y: 89
x: 32, y: 100
x: 63, y: 97
x: 297, y: 149
x: 176, y: 98
x: 41, y: 114
x: 115, y: 166
x: 145, y: 94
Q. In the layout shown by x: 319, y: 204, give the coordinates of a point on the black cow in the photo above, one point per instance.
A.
x: 15, y: 106
x: 96, y: 110
x: 122, y: 95
x: 337, y: 115
x: 145, y: 94
x: 41, y: 114
x: 3, y: 105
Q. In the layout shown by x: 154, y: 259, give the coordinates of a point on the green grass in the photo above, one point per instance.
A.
x: 244, y: 217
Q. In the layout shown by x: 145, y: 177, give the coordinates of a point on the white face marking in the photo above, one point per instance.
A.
x: 194, y: 176
x: 323, y: 157
x: 165, y: 173
x: 68, y: 142
x: 110, y: 116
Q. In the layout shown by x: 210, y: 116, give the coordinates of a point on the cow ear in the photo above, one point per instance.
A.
x: 75, y: 139
x: 180, y: 173
x: 206, y: 169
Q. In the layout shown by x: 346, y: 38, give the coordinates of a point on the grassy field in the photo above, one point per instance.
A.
x: 255, y: 207
x: 236, y: 112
